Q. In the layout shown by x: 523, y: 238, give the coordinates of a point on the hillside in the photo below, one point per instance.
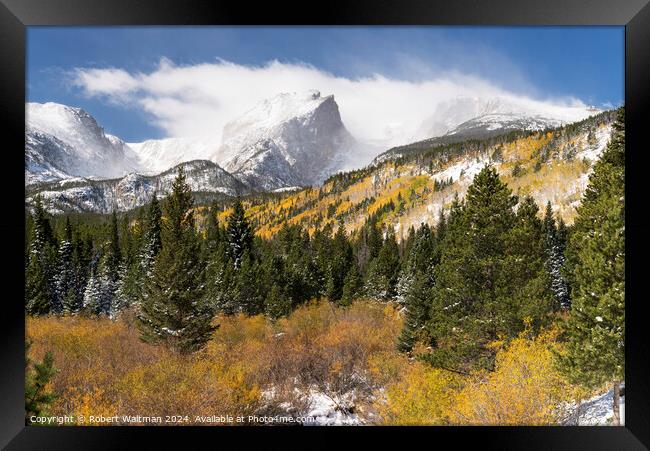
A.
x: 414, y: 185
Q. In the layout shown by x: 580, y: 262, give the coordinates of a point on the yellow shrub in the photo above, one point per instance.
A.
x: 424, y: 396
x: 524, y: 389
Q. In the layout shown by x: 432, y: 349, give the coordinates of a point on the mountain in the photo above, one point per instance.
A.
x: 550, y: 165
x: 497, y: 113
x: 132, y: 190
x: 293, y: 139
x: 476, y: 119
x: 63, y: 142
x: 157, y: 155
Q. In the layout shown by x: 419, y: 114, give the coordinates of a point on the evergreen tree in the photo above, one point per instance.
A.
x: 473, y: 293
x: 93, y: 294
x: 239, y: 233
x: 81, y: 262
x: 37, y: 399
x: 37, y: 297
x: 595, y: 329
x: 416, y: 283
x: 277, y: 304
x: 555, y: 243
x: 173, y: 310
x: 340, y: 260
x: 40, y: 292
x: 352, y: 285
x: 249, y: 293
x: 384, y: 271
x: 108, y: 276
x: 152, y: 241
x: 417, y: 304
x: 65, y: 275
x: 421, y: 257
x: 528, y: 298
x: 214, y: 233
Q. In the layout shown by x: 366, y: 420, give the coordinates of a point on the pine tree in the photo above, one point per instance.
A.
x: 555, y: 243
x: 417, y: 305
x: 340, y: 260
x: 173, y: 310
x: 81, y: 261
x: 383, y: 271
x: 40, y: 293
x: 249, y: 293
x: 152, y: 241
x: 93, y: 296
x: 595, y: 330
x: 214, y: 233
x: 239, y: 233
x: 37, y: 295
x: 421, y: 256
x: 277, y: 304
x: 65, y: 275
x: 37, y: 399
x: 352, y: 286
x: 473, y: 294
x: 416, y: 283
x: 528, y: 299
x: 108, y: 275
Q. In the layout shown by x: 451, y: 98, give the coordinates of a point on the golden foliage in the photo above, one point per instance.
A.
x: 104, y: 369
x: 525, y: 388
x: 253, y: 365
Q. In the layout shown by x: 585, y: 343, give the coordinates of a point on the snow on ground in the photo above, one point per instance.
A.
x: 596, y: 411
x: 330, y: 411
x: 322, y: 409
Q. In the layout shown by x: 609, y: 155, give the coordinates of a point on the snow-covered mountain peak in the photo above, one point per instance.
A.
x: 269, y: 113
x: 291, y: 139
x: 64, y: 141
x: 450, y: 114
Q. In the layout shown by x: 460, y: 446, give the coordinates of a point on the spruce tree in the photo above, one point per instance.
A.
x: 383, y: 271
x: 239, y: 234
x: 595, y: 329
x: 555, y: 243
x: 66, y: 290
x: 416, y: 313
x: 40, y: 290
x: 249, y: 293
x: 528, y: 299
x: 416, y: 283
x: 473, y: 294
x: 93, y: 295
x: 352, y: 286
x: 277, y: 304
x: 173, y: 310
x: 340, y: 260
x: 37, y: 376
x: 81, y: 261
x: 108, y: 275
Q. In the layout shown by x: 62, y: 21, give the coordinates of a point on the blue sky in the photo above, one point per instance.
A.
x: 585, y: 63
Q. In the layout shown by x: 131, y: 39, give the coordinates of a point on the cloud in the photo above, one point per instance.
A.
x: 197, y: 100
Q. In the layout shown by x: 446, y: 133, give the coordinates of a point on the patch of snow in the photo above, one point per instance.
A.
x: 596, y: 411
x: 330, y: 411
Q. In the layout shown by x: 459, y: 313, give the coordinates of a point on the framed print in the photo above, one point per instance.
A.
x: 423, y: 217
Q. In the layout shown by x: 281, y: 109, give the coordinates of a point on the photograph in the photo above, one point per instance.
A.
x: 233, y: 225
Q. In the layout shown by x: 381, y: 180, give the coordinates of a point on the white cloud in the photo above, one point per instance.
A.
x: 197, y: 100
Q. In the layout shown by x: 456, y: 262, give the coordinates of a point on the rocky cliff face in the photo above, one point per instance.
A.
x: 292, y: 139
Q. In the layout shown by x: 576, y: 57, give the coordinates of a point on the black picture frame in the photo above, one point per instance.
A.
x: 16, y: 15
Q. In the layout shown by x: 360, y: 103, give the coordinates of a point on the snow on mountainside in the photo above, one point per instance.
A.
x: 496, y: 112
x: 291, y: 139
x: 133, y: 190
x: 157, y: 155
x: 63, y: 141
